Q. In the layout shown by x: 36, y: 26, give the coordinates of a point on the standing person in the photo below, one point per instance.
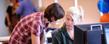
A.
x: 64, y: 35
x: 26, y: 7
x: 11, y: 17
x: 29, y: 29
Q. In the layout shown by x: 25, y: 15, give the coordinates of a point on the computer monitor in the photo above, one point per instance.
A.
x: 97, y: 33
x: 106, y: 33
x: 87, y: 34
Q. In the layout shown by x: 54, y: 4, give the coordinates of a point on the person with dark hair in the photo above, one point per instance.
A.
x: 30, y: 29
x: 57, y: 12
x: 11, y: 18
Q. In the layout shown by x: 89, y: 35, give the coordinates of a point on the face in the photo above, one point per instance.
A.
x: 69, y: 21
x: 46, y: 21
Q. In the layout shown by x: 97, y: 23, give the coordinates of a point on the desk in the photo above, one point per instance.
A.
x: 4, y: 39
x: 1, y: 43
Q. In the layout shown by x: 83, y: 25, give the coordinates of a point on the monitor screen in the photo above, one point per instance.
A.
x: 106, y: 32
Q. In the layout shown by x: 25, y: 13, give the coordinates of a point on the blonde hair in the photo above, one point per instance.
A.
x: 69, y: 13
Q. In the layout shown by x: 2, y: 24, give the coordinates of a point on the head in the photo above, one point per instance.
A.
x: 69, y: 20
x: 54, y: 12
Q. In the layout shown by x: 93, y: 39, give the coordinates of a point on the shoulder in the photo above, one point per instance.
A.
x: 9, y: 7
x: 57, y: 32
x: 33, y: 15
x: 37, y: 14
x: 30, y: 18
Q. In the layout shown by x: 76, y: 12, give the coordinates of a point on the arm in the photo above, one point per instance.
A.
x: 8, y: 12
x: 35, y: 39
x: 8, y: 20
x: 55, y: 38
x: 35, y: 29
x: 35, y: 33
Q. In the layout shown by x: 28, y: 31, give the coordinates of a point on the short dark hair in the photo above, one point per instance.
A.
x: 54, y: 10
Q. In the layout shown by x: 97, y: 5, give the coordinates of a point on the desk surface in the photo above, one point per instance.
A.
x: 4, y: 38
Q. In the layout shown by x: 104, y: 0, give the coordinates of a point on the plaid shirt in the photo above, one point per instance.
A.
x: 22, y: 31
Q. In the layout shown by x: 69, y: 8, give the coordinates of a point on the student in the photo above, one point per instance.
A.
x: 11, y: 17
x: 30, y: 29
x: 26, y: 7
x: 65, y: 35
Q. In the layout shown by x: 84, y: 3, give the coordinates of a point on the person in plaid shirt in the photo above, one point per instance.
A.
x: 29, y: 29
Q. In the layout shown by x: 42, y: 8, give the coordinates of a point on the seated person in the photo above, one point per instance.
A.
x: 65, y: 35
x: 30, y: 29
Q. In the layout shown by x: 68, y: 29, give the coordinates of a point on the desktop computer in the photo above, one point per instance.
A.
x: 91, y: 33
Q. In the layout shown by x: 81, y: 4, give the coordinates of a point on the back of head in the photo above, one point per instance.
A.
x: 54, y: 10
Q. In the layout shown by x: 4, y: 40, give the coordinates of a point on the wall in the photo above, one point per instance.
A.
x: 89, y: 6
x: 91, y: 11
x: 3, y: 29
